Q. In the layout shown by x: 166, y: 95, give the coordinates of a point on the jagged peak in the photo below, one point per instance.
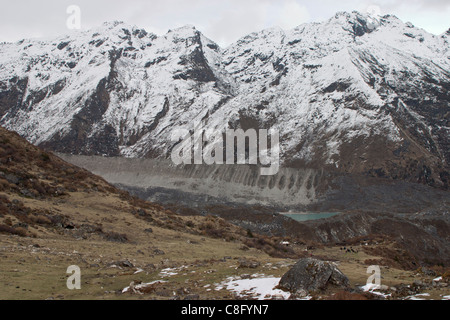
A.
x: 351, y: 16
x: 185, y: 32
x: 186, y: 29
x: 344, y: 14
x: 391, y: 17
x: 364, y: 16
x: 112, y: 24
x: 124, y: 30
x: 262, y: 34
x: 361, y: 23
x: 271, y: 32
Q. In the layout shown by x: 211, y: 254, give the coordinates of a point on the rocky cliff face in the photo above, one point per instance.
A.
x: 351, y: 94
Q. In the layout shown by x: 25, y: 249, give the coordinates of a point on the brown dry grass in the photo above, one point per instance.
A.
x: 346, y: 296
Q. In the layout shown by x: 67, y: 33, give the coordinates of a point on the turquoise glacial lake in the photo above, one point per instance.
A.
x: 308, y: 216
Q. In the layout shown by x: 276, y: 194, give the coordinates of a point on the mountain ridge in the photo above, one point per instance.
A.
x: 352, y: 94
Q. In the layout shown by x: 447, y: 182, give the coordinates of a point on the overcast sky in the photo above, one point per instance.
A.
x: 224, y: 21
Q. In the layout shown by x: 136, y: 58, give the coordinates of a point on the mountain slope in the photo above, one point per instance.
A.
x: 351, y: 94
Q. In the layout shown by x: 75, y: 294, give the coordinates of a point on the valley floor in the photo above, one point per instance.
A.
x: 166, y: 257
x: 176, y: 267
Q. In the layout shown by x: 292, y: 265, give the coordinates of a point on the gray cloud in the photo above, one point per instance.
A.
x: 222, y: 20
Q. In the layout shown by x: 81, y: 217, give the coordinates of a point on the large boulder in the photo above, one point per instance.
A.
x: 312, y: 275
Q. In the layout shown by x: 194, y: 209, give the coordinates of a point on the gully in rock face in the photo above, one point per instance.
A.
x: 207, y: 147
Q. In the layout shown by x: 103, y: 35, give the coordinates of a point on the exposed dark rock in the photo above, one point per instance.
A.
x: 428, y: 272
x: 12, y: 94
x: 337, y: 87
x: 158, y: 252
x: 122, y: 264
x: 198, y: 68
x: 103, y: 142
x: 12, y: 178
x: 116, y: 237
x: 248, y: 264
x: 62, y: 45
x: 360, y: 27
x: 311, y: 275
x: 155, y: 61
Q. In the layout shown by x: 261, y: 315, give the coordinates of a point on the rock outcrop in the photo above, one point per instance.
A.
x: 312, y: 275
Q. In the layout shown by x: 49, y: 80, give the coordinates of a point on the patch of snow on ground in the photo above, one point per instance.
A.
x: 141, y: 286
x: 138, y: 271
x: 168, y: 272
x: 418, y: 296
x: 371, y: 287
x: 260, y: 288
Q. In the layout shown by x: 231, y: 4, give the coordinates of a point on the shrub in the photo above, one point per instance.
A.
x: 4, y: 199
x: 8, y: 222
x: 43, y: 220
x: 271, y: 247
x: 3, y: 209
x: 6, y: 229
x: 214, y: 233
x: 207, y: 225
x: 22, y: 232
x: 190, y: 224
x: 116, y: 237
x: 45, y: 157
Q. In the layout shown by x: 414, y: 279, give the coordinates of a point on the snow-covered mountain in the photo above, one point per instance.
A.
x: 353, y: 94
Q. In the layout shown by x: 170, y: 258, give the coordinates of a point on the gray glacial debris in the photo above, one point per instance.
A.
x: 237, y: 183
x: 161, y: 181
